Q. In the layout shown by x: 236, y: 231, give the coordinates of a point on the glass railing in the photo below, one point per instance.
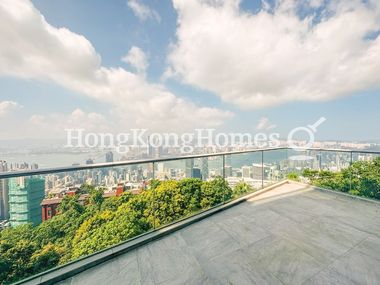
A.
x: 59, y: 215
x: 353, y: 172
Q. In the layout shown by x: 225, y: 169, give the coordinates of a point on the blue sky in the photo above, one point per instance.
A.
x: 113, y: 28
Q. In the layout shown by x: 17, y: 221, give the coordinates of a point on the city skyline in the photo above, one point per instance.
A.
x: 145, y: 64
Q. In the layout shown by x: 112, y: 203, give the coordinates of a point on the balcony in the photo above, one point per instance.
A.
x: 278, y: 232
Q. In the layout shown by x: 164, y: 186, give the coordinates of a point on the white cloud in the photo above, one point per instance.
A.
x: 275, y: 56
x: 54, y: 125
x: 142, y: 11
x: 137, y: 58
x: 32, y: 48
x: 7, y: 107
x: 264, y: 124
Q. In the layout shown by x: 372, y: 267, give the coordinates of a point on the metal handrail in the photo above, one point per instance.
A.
x: 14, y: 174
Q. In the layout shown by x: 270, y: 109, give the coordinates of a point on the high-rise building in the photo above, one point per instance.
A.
x: 150, y: 148
x: 34, y: 166
x: 4, y: 209
x: 196, y: 173
x: 109, y: 156
x: 246, y: 171
x: 3, y: 166
x: 25, y: 197
x: 189, y: 165
x: 204, y: 168
x: 228, y: 171
x: 257, y: 170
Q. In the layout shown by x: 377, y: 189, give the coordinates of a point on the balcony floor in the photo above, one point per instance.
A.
x: 289, y: 235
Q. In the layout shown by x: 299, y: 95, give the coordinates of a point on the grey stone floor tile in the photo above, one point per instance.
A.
x: 294, y: 213
x: 335, y: 237
x: 241, y: 209
x: 369, y: 225
x: 370, y: 246
x: 358, y: 267
x: 283, y: 259
x: 236, y: 268
x: 169, y: 259
x: 101, y: 274
x: 190, y: 280
x: 322, y: 239
x: 243, y: 230
x: 129, y: 271
x: 145, y: 268
x: 209, y: 243
x: 329, y: 277
x: 270, y: 220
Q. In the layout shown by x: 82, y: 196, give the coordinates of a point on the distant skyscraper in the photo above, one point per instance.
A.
x: 3, y: 166
x: 4, y: 208
x: 204, y: 168
x: 196, y: 173
x: 3, y: 192
x: 150, y: 148
x: 246, y: 171
x: 189, y: 165
x: 228, y: 171
x: 109, y: 156
x: 257, y: 170
x: 25, y: 197
x: 159, y: 152
x: 34, y: 166
x: 319, y: 160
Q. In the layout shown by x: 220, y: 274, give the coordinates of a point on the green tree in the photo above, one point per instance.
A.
x: 86, y: 189
x: 90, y: 235
x: 96, y: 198
x: 215, y: 192
x: 169, y: 202
x: 361, y: 178
x: 71, y: 203
x: 45, y: 258
x: 293, y: 176
x: 191, y: 189
x: 16, y: 249
x: 310, y: 174
x: 242, y: 188
x: 154, y: 183
x: 109, y: 228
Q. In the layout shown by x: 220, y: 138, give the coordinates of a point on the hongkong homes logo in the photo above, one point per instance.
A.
x: 190, y: 141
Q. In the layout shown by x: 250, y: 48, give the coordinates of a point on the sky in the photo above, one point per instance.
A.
x: 241, y: 66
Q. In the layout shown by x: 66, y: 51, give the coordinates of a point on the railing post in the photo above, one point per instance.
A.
x: 351, y: 170
x: 224, y: 176
x: 286, y: 162
x: 224, y: 166
x: 154, y: 198
x: 262, y: 169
